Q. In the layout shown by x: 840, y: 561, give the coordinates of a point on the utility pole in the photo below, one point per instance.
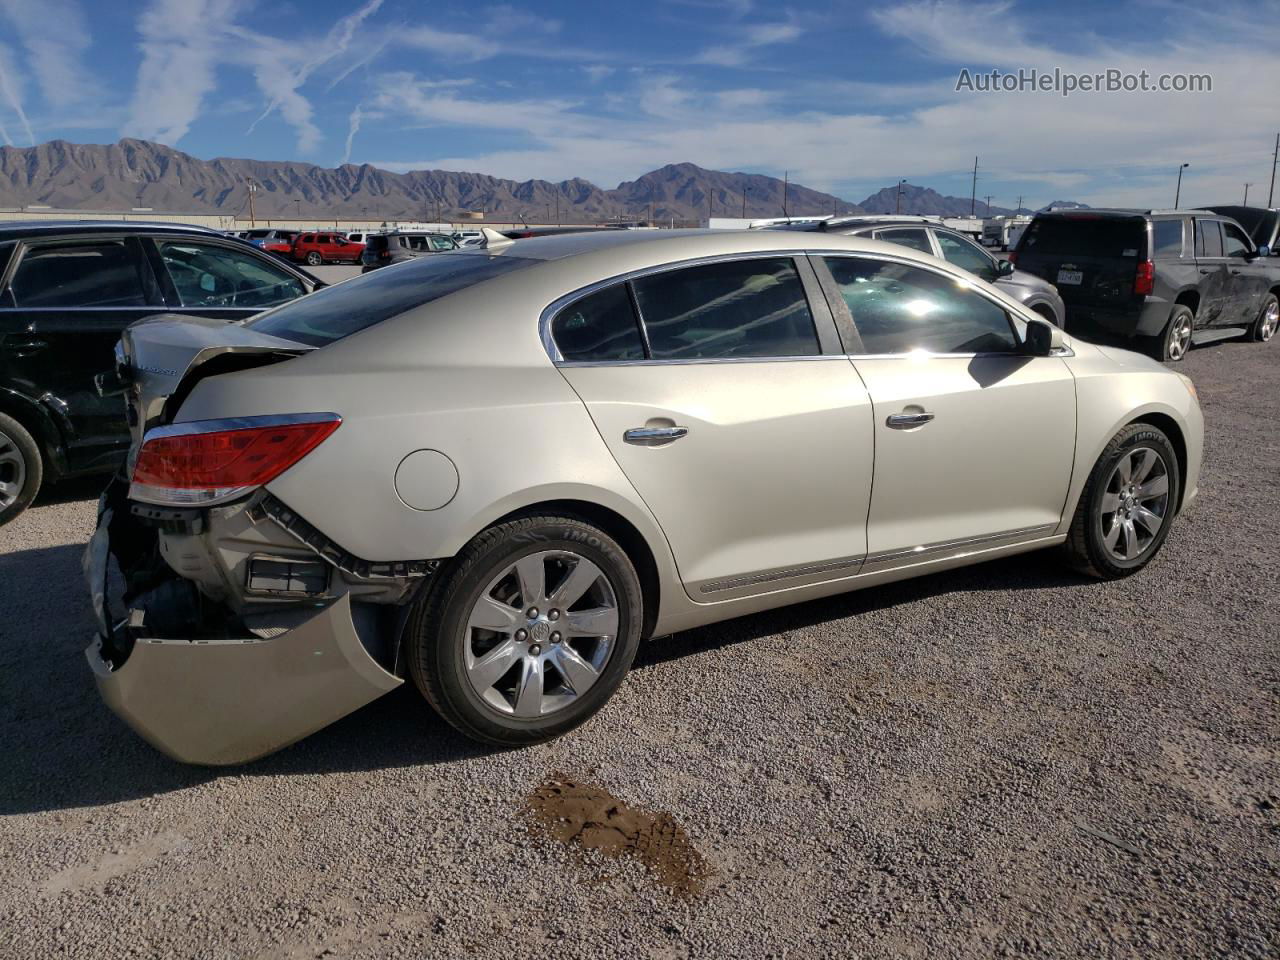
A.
x: 1018, y: 209
x: 744, y: 203
x: 973, y: 194
x: 786, y: 177
x: 988, y: 199
x: 1178, y: 193
x: 898, y: 206
x: 710, y: 198
x: 557, y: 209
x: 253, y: 188
x: 1245, y: 202
x: 1274, y: 158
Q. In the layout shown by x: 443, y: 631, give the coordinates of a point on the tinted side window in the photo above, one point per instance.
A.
x: 600, y: 326
x: 211, y: 276
x: 739, y: 308
x: 899, y: 308
x: 913, y: 237
x: 1235, y: 244
x: 1208, y: 239
x: 966, y: 256
x: 1166, y: 238
x: 96, y: 273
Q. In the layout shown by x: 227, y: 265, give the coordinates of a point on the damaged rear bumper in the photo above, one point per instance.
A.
x: 221, y: 702
x: 226, y: 697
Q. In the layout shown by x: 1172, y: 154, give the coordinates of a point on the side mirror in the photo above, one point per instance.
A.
x: 1043, y: 338
x: 1263, y: 251
x: 1004, y: 268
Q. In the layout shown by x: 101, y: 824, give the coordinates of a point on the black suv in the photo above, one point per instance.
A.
x: 67, y: 290
x: 1166, y: 278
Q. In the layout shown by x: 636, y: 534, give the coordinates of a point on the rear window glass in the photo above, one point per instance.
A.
x: 353, y: 305
x: 601, y: 326
x: 1081, y: 237
x: 1208, y: 239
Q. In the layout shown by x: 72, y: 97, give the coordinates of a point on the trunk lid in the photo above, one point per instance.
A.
x: 163, y: 357
x: 1091, y: 259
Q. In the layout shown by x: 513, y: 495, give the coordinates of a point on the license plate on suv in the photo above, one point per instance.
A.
x: 1075, y: 277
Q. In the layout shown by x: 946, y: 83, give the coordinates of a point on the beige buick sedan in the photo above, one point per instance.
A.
x: 494, y: 472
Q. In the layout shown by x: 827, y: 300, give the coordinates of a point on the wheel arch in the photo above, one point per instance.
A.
x: 1173, y: 430
x: 628, y: 535
x: 42, y: 428
x: 1188, y: 297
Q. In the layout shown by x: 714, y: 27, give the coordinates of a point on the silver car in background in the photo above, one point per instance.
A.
x: 493, y: 472
x: 928, y: 236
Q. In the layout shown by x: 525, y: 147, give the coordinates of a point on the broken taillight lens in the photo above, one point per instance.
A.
x: 209, y: 461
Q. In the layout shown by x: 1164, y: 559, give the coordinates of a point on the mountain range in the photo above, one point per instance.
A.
x: 140, y: 173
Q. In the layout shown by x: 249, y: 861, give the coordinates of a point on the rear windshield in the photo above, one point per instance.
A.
x: 353, y: 305
x: 1084, y: 237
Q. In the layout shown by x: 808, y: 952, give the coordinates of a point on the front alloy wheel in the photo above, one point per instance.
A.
x: 1135, y: 503
x: 529, y: 631
x: 21, y: 468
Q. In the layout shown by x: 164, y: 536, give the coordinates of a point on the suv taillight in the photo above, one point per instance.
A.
x: 1013, y: 257
x: 1145, y: 280
x: 210, y: 461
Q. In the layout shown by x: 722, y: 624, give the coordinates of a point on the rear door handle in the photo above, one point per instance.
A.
x: 654, y: 436
x: 906, y: 421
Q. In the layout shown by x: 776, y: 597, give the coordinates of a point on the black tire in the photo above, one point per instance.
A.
x: 21, y: 468
x: 314, y: 259
x: 1171, y: 346
x: 1264, y: 326
x: 1046, y: 311
x: 438, y: 630
x: 1086, y: 549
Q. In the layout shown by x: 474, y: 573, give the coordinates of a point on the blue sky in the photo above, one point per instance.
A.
x: 847, y: 97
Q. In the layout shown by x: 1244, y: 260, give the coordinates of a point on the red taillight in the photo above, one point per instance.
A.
x: 1145, y: 279
x: 1013, y: 257
x: 212, y: 460
x: 384, y: 254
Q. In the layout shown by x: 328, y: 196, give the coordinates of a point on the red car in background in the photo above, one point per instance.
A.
x: 318, y: 248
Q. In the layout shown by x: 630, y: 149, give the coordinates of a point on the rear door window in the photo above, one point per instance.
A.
x: 1166, y: 238
x: 899, y: 308
x: 1208, y: 239
x: 600, y: 327
x: 737, y: 308
x: 85, y: 273
x: 966, y: 255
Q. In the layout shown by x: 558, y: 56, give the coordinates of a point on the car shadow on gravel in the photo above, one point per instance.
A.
x: 1041, y: 570
x: 64, y: 749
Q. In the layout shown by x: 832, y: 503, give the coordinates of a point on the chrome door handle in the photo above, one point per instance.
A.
x: 653, y: 436
x: 905, y: 421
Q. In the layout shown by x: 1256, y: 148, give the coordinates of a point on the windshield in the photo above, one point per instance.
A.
x: 1085, y: 237
x: 353, y: 305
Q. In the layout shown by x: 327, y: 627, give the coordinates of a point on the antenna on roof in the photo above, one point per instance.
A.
x: 493, y: 240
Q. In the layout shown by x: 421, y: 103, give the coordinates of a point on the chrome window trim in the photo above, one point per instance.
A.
x: 555, y: 306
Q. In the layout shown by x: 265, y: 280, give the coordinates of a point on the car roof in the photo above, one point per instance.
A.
x: 19, y: 229
x: 1099, y: 213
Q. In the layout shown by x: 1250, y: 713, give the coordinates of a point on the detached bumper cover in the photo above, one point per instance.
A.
x: 228, y: 702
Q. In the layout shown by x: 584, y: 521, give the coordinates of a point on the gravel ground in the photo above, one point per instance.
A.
x: 1006, y: 760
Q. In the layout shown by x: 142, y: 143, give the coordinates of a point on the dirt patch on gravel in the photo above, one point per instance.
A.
x: 591, y: 818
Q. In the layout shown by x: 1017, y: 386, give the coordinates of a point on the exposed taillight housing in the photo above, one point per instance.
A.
x: 212, y: 461
x: 1144, y: 282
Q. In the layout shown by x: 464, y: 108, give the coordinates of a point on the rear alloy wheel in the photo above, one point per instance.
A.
x: 1172, y: 345
x: 1264, y: 328
x: 20, y: 468
x: 314, y: 259
x: 531, y: 633
x: 1127, y: 504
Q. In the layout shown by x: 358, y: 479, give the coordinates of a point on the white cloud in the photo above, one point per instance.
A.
x: 54, y: 36
x: 749, y: 40
x: 353, y: 127
x: 181, y: 47
x: 598, y: 71
x: 11, y: 91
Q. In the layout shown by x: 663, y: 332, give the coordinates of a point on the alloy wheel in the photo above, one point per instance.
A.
x: 1135, y: 503
x: 541, y: 634
x: 13, y: 471
x: 1180, y: 338
x: 1270, y: 320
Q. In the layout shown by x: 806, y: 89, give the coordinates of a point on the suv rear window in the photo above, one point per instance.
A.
x: 361, y: 302
x: 1085, y: 237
